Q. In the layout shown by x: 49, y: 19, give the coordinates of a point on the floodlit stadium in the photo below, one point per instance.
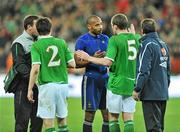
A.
x: 69, y: 23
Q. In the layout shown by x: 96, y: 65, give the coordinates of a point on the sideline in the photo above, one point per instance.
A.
x: 75, y: 86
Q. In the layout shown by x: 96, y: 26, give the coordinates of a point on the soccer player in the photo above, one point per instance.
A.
x: 153, y: 76
x: 121, y: 57
x: 25, y: 111
x: 50, y: 59
x: 94, y: 83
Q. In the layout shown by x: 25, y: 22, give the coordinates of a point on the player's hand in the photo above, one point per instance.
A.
x: 30, y: 96
x: 99, y: 54
x: 82, y: 55
x: 135, y: 95
x: 131, y: 29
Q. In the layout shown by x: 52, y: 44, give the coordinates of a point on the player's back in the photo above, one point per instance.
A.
x: 54, y: 56
x: 125, y: 61
x: 123, y: 69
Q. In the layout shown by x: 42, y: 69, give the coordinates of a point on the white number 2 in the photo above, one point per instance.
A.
x: 52, y: 62
x: 132, y: 49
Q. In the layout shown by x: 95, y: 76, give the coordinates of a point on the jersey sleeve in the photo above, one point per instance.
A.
x: 35, y: 55
x: 68, y: 53
x: 111, y: 50
x: 79, y: 45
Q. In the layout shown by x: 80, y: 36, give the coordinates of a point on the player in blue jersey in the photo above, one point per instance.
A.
x: 94, y: 81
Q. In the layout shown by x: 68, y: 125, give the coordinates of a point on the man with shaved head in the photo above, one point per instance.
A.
x: 95, y: 78
x: 121, y: 58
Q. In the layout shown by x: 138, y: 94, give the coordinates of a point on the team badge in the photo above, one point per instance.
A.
x: 89, y: 105
x: 163, y: 51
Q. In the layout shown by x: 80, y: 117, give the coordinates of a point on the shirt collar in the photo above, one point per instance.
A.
x: 149, y: 35
x: 44, y: 36
x: 94, y: 36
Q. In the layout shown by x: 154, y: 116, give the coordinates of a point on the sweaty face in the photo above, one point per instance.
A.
x: 96, y: 27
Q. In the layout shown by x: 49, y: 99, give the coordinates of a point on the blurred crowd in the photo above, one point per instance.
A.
x: 68, y: 17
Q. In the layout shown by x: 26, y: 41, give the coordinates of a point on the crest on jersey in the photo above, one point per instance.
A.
x: 163, y: 51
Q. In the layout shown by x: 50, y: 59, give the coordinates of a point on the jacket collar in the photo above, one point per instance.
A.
x: 28, y: 36
x: 149, y: 35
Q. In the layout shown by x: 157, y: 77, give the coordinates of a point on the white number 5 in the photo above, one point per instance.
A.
x: 52, y: 62
x: 132, y: 49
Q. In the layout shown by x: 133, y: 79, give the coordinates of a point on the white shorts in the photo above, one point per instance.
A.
x: 52, y: 100
x: 119, y: 103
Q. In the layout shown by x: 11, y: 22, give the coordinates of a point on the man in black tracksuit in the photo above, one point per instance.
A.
x: 24, y: 110
x: 153, y: 77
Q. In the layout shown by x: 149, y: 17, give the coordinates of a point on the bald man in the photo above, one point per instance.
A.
x: 94, y: 83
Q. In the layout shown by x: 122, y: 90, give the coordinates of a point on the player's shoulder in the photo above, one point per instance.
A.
x: 82, y: 39
x: 104, y: 36
x: 59, y: 40
x: 83, y: 36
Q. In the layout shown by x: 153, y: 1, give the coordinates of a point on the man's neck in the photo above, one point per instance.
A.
x: 28, y: 32
x: 92, y: 34
x: 122, y: 31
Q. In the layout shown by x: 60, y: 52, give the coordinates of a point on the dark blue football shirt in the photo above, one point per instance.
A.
x: 90, y: 44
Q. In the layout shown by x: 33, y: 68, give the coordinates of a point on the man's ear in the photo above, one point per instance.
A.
x: 142, y: 33
x: 116, y: 27
x: 29, y: 27
x: 88, y: 26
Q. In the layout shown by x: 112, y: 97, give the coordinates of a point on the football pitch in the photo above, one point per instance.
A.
x: 75, y: 117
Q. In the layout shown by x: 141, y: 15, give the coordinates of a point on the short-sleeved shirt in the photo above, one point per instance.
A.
x: 122, y: 50
x: 90, y: 44
x: 53, y: 55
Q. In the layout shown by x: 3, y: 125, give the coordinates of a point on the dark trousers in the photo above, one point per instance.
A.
x: 26, y: 111
x: 154, y: 112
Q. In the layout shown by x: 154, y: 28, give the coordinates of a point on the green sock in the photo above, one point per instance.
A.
x: 52, y: 129
x: 114, y: 126
x: 63, y: 128
x: 129, y: 126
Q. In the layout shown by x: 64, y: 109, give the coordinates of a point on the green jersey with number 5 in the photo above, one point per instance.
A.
x: 122, y: 50
x: 53, y: 55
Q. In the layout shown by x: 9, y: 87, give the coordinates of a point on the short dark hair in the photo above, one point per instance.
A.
x: 91, y: 18
x: 43, y: 26
x: 148, y: 25
x: 28, y: 20
x: 120, y: 20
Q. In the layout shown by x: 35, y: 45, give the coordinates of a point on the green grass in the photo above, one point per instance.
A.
x: 75, y: 118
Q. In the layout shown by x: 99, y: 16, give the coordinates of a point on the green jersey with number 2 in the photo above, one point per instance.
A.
x: 53, y: 55
x: 122, y: 50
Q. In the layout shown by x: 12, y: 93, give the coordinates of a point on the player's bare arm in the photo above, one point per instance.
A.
x: 33, y: 76
x: 71, y: 64
x: 80, y: 63
x: 99, y: 61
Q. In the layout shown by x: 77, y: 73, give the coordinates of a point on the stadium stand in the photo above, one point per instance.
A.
x: 68, y: 19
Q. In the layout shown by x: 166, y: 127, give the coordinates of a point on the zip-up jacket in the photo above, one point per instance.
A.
x: 22, y: 58
x: 153, y: 68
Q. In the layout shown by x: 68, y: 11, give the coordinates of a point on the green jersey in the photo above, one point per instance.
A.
x: 53, y: 55
x: 122, y: 50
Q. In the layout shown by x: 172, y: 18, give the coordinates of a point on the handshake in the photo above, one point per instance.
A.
x: 83, y: 56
